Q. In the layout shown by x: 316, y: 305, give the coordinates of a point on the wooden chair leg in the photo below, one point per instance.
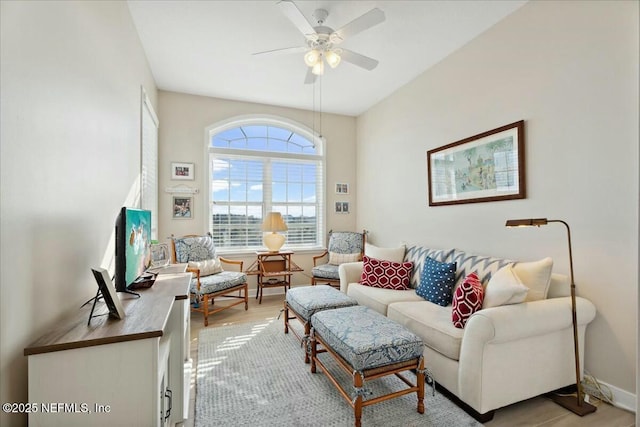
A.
x: 205, y: 301
x: 246, y: 297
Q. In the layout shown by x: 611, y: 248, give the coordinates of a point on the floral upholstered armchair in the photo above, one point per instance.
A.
x: 344, y: 246
x: 209, y: 280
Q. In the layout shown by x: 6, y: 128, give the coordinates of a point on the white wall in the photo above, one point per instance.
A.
x: 570, y: 70
x: 182, y: 139
x: 71, y: 76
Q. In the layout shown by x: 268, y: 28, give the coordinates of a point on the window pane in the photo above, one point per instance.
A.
x: 279, y: 192
x: 255, y: 131
x: 294, y: 193
x: 279, y: 133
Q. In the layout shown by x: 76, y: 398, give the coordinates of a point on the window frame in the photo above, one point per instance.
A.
x: 280, y: 122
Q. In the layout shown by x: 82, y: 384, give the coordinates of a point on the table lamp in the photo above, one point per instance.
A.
x: 577, y: 406
x: 272, y: 223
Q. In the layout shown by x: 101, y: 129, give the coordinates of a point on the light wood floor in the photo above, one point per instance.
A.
x: 538, y: 411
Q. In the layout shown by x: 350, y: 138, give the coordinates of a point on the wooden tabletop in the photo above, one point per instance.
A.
x: 145, y: 317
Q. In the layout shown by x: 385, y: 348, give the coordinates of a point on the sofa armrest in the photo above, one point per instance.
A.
x: 517, y: 321
x: 350, y: 272
x: 529, y: 343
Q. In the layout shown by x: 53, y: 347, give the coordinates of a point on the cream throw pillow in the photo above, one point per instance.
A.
x: 385, y: 254
x: 504, y: 287
x: 208, y: 267
x: 336, y: 259
x: 536, y: 276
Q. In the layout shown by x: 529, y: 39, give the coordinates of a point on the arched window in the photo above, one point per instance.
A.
x: 263, y: 164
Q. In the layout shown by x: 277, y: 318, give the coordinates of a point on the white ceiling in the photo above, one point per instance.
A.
x: 205, y: 47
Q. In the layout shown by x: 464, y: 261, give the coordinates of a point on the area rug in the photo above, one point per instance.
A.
x: 254, y: 374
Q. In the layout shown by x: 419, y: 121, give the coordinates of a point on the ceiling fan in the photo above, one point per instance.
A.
x: 322, y: 41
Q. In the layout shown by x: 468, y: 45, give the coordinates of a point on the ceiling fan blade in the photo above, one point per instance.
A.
x: 292, y: 12
x: 368, y: 20
x: 359, y: 60
x: 283, y: 51
x: 310, y: 78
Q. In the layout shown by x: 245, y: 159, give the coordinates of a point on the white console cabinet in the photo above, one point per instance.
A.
x: 133, y: 371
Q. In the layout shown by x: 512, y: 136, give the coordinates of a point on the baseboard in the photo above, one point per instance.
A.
x: 622, y: 398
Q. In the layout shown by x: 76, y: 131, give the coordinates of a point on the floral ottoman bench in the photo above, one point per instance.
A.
x: 367, y: 345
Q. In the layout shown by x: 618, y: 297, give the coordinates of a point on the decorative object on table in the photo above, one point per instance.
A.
x: 182, y: 171
x: 344, y: 246
x: 160, y: 255
x: 209, y: 281
x: 577, y: 405
x: 273, y: 223
x: 182, y: 207
x: 483, y: 168
x: 106, y: 291
x: 342, y: 188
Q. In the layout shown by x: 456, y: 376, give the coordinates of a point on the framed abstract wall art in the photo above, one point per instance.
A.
x: 482, y: 168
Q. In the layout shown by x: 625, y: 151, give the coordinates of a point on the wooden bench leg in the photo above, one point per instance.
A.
x: 314, y: 352
x: 305, y: 341
x: 358, y: 383
x: 286, y: 317
x: 420, y: 382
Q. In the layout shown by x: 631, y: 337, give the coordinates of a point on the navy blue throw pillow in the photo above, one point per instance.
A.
x: 436, y: 281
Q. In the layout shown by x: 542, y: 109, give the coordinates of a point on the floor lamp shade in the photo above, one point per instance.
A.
x: 273, y: 223
x: 578, y: 405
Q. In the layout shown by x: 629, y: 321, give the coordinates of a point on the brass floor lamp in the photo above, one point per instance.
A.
x: 577, y: 405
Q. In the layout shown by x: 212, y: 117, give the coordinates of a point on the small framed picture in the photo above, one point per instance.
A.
x: 182, y: 171
x: 342, y: 188
x: 182, y: 207
x: 160, y: 255
x: 108, y: 292
x: 342, y: 207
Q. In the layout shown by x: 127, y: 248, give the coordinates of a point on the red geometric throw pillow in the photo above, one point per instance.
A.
x: 467, y: 299
x: 379, y: 273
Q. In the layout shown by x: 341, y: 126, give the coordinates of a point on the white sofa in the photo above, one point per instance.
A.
x: 504, y: 354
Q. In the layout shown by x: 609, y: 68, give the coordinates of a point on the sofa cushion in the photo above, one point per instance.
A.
x: 430, y: 322
x: 467, y: 299
x: 378, y: 298
x: 388, y: 254
x: 336, y: 258
x: 483, y: 266
x: 536, y: 276
x: 417, y: 255
x: 505, y: 287
x: 385, y: 274
x: 436, y: 281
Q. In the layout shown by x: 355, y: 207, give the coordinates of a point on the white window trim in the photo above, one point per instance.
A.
x: 269, y: 120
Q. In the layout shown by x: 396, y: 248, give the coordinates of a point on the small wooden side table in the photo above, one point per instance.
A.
x: 273, y: 269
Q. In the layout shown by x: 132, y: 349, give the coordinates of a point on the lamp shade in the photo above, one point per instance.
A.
x: 529, y: 222
x: 274, y: 222
x: 311, y: 57
x: 332, y: 57
x: 318, y: 68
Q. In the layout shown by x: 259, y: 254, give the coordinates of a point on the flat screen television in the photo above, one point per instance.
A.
x: 133, y: 248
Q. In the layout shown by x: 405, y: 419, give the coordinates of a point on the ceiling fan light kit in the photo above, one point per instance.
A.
x: 321, y: 40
